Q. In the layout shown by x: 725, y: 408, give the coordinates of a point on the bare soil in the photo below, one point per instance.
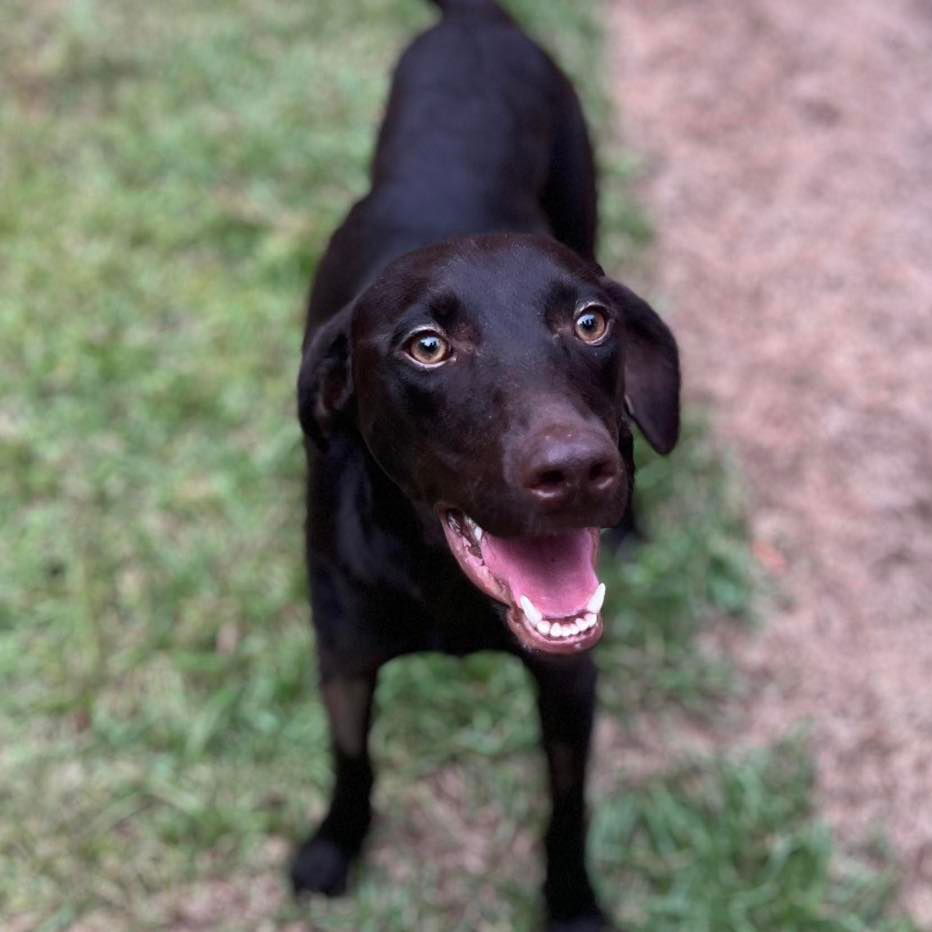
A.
x: 788, y: 169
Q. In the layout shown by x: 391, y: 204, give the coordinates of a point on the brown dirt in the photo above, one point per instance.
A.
x: 788, y: 149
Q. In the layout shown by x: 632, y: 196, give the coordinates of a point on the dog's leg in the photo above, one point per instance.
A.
x: 322, y: 863
x: 566, y: 701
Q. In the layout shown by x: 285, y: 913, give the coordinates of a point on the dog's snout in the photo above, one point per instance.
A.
x: 564, y: 468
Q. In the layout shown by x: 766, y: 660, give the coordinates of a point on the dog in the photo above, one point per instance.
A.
x: 468, y: 382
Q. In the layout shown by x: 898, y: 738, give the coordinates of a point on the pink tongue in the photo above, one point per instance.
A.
x: 554, y: 572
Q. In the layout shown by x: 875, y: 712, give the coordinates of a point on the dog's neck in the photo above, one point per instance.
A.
x: 385, y: 534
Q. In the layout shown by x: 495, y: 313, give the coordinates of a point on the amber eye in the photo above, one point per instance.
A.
x: 428, y: 348
x: 591, y: 324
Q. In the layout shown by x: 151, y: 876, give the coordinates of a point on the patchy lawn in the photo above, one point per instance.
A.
x: 170, y: 173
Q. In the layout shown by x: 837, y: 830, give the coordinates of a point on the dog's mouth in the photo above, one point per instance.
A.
x: 549, y: 583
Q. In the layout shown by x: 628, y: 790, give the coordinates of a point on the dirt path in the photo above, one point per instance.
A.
x: 789, y: 157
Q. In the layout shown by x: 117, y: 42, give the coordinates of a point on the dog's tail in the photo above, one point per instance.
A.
x: 469, y: 6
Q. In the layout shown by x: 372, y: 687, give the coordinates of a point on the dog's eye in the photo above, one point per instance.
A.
x: 428, y: 348
x: 591, y: 324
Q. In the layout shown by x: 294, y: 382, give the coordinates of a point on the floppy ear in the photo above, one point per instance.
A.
x: 325, y: 380
x: 652, y: 369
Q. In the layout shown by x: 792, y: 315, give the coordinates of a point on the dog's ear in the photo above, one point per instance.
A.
x: 652, y: 369
x: 325, y: 381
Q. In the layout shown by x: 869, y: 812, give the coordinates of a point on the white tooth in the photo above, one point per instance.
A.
x: 530, y: 610
x: 595, y: 604
x: 543, y: 627
x: 574, y: 628
x: 477, y: 533
x: 590, y: 620
x: 557, y: 629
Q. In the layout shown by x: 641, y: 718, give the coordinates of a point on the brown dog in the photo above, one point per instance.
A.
x: 468, y: 380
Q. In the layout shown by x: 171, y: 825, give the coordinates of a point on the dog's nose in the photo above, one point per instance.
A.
x: 572, y: 468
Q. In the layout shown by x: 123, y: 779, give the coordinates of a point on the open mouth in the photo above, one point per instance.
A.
x: 549, y: 583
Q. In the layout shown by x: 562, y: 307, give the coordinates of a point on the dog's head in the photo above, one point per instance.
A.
x: 493, y: 379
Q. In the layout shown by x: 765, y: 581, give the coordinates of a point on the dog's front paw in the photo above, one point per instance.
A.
x: 592, y: 921
x: 320, y: 866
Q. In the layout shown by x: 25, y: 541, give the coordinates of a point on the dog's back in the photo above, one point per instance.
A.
x: 482, y: 133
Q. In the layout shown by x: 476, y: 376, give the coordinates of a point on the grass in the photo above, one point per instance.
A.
x: 171, y: 172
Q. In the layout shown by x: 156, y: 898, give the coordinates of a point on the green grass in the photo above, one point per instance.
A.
x: 170, y: 173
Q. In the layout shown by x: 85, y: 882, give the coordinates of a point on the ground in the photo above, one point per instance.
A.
x: 170, y: 175
x: 788, y: 169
